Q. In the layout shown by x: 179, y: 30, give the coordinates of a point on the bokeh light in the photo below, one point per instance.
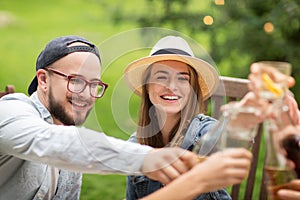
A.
x: 268, y: 27
x: 219, y: 2
x: 208, y: 20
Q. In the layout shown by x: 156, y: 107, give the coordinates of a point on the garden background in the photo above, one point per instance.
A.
x: 232, y: 34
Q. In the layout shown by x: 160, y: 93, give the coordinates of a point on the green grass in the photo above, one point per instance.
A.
x: 103, y: 187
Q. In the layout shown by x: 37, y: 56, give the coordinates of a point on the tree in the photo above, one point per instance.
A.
x: 240, y: 32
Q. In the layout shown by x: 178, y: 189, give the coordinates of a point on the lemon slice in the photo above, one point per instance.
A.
x: 270, y: 85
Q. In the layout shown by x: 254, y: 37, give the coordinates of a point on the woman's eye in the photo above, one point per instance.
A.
x: 161, y: 78
x: 182, y: 78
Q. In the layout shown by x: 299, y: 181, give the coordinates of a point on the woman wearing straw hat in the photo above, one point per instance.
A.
x: 173, y: 85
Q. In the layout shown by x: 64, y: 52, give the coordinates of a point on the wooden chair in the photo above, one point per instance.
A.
x: 8, y: 90
x: 233, y: 89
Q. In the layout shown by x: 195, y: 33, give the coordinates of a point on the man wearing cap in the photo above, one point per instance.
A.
x: 43, y: 149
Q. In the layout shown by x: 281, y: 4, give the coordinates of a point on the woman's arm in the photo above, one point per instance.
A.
x: 220, y: 170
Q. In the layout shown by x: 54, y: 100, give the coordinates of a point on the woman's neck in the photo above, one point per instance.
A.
x: 167, y: 124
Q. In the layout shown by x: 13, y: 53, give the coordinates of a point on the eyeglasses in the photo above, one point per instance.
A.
x: 77, y: 84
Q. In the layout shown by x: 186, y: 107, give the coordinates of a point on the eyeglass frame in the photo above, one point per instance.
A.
x: 70, y: 76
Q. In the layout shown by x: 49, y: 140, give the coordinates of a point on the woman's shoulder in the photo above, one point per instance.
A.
x: 201, y: 120
x: 202, y: 123
x: 198, y: 127
x: 204, y: 118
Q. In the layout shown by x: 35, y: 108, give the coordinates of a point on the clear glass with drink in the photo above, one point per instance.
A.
x: 268, y: 88
x: 278, y: 173
x: 229, y: 132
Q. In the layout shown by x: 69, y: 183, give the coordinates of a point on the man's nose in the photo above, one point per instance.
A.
x: 85, y: 92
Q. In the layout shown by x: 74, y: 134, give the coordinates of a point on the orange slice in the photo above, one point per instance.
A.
x: 270, y: 85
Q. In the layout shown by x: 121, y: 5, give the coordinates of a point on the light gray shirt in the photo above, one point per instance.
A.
x: 35, y: 153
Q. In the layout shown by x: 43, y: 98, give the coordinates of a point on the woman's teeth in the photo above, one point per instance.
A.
x: 167, y: 97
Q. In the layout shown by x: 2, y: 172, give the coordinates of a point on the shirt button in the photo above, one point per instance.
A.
x: 49, y: 120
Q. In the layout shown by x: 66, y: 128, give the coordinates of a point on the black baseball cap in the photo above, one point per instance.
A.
x: 58, y: 48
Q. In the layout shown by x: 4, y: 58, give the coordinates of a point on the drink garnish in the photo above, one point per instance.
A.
x: 270, y: 85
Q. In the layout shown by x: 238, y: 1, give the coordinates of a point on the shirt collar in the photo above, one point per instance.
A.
x: 42, y: 109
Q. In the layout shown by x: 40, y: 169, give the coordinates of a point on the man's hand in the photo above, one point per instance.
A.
x: 166, y: 164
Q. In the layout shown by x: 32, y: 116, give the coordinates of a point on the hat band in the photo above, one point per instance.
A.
x: 83, y: 49
x: 170, y: 51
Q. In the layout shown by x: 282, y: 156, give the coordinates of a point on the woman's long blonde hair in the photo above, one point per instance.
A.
x: 148, y: 131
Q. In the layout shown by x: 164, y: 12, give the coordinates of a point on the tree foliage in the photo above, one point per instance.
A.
x: 243, y: 31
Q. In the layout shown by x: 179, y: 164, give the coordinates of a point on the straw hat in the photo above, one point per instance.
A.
x: 172, y: 48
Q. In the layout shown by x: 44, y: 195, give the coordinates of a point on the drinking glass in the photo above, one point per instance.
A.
x: 269, y: 89
x: 277, y: 173
x: 231, y: 131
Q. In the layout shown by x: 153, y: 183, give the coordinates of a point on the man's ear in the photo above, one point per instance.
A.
x: 42, y: 78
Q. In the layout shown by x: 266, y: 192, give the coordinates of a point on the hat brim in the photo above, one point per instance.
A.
x: 33, y: 86
x: 208, y: 77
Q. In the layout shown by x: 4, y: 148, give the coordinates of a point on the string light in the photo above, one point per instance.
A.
x: 208, y: 20
x: 220, y: 2
x: 268, y: 27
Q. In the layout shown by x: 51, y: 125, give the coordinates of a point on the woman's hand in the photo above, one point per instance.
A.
x: 256, y: 111
x: 293, y: 193
x: 219, y: 170
x: 255, y: 77
x: 222, y: 169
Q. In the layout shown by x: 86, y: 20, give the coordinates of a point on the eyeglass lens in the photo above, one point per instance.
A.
x: 77, y: 85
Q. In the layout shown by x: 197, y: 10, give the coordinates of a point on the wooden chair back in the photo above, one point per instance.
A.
x: 233, y: 89
x: 8, y: 90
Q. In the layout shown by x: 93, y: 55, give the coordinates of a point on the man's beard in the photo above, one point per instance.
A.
x: 57, y: 111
